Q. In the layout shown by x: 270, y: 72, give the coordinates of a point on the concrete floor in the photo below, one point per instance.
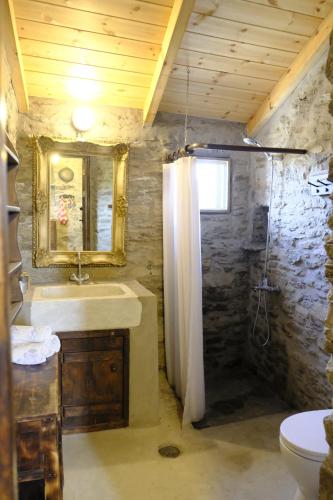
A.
x: 236, y: 461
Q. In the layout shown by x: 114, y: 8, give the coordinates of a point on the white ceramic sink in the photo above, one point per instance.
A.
x: 93, y: 306
x: 101, y: 290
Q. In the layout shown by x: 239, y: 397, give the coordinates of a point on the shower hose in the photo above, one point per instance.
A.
x: 263, y: 294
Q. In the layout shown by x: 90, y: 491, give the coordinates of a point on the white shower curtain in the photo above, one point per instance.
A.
x: 183, y: 286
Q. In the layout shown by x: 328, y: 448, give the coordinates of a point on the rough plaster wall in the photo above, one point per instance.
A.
x: 295, y: 360
x: 144, y: 235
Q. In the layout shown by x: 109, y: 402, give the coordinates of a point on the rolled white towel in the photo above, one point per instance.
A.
x: 28, y: 354
x: 25, y: 334
x: 51, y: 345
x: 35, y: 353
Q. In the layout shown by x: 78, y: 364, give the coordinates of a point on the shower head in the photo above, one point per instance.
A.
x: 251, y: 141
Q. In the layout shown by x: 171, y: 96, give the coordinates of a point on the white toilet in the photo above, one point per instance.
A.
x: 304, y: 447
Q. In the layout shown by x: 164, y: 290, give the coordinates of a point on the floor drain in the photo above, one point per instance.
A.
x: 170, y: 451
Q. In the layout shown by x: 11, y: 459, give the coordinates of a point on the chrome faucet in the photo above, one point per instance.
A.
x: 79, y: 278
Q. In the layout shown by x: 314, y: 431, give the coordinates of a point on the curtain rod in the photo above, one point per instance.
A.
x: 190, y: 149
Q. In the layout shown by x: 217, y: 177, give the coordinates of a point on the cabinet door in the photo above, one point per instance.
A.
x: 29, y: 450
x: 93, y: 390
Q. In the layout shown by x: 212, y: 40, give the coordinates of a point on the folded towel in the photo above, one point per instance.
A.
x: 35, y: 353
x: 26, y: 334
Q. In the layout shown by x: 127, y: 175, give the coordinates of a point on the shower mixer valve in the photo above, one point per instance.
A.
x: 264, y: 286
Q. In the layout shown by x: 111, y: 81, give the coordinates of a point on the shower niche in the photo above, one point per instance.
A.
x: 260, y: 225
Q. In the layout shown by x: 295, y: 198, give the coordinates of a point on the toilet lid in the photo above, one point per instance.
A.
x: 304, y: 434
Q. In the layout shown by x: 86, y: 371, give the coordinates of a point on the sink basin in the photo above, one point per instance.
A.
x: 93, y: 306
x: 82, y: 291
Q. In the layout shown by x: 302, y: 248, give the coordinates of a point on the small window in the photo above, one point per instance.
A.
x: 214, y: 184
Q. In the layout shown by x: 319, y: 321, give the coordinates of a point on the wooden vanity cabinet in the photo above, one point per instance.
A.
x: 94, y: 380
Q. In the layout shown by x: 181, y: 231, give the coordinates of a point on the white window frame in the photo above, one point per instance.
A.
x: 228, y: 209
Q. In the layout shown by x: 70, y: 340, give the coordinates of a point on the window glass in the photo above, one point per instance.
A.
x: 214, y: 184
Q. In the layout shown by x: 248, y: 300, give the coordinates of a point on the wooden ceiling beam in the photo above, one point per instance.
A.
x: 177, y: 24
x: 307, y: 57
x: 13, y: 52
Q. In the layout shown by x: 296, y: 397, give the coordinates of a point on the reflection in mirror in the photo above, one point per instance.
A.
x: 80, y: 203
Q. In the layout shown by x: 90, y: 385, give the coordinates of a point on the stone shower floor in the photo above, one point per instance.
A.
x: 233, y: 398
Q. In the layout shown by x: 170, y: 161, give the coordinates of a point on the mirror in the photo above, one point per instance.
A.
x: 80, y: 192
x: 80, y: 203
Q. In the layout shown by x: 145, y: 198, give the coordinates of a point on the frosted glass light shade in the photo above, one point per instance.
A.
x: 83, y: 118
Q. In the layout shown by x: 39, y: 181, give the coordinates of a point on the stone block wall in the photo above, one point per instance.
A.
x: 295, y: 361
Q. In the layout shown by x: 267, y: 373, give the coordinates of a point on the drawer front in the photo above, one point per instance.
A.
x: 92, y: 377
x: 92, y: 341
x: 29, y: 446
x: 92, y: 344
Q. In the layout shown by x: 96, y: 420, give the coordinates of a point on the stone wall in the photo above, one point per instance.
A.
x: 223, y: 261
x: 295, y: 360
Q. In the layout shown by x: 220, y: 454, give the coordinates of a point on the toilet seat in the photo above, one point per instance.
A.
x: 304, y: 434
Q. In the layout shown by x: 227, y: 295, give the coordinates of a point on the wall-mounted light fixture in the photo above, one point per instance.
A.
x: 83, y: 118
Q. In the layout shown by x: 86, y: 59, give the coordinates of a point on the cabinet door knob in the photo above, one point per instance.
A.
x: 114, y: 368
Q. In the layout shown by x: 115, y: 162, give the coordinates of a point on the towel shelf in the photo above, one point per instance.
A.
x: 13, y: 211
x: 15, y: 308
x: 14, y: 267
x: 12, y: 157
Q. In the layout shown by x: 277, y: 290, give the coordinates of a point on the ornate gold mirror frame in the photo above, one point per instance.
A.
x: 43, y: 147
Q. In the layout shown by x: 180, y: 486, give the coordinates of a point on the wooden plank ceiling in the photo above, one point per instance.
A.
x: 236, y: 50
x: 113, y: 44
